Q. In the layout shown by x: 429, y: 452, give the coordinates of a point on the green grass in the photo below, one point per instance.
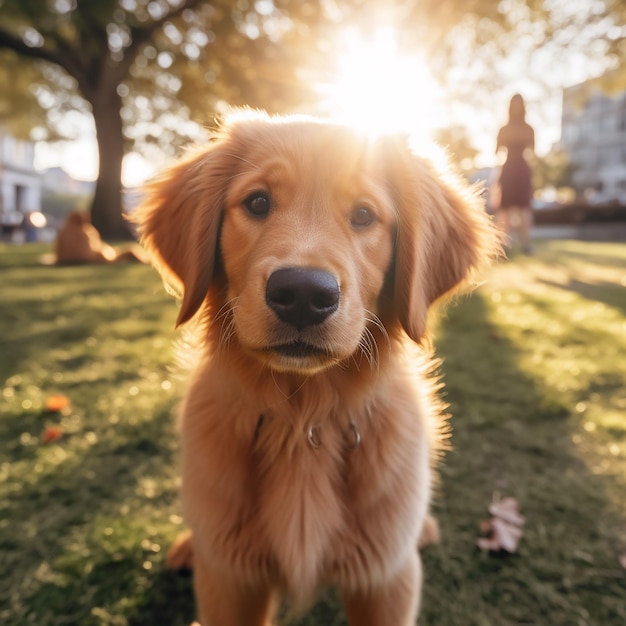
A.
x: 534, y: 369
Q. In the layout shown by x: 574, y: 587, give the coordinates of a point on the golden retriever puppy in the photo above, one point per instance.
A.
x: 309, y: 257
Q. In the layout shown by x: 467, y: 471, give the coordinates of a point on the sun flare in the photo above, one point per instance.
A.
x: 378, y: 89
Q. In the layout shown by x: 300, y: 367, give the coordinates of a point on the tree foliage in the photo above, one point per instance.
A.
x: 455, y: 140
x: 554, y: 170
x: 147, y: 69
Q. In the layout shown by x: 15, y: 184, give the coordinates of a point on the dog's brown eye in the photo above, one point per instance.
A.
x: 258, y: 203
x: 361, y: 216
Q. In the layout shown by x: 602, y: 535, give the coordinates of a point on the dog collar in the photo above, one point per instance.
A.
x: 313, y: 437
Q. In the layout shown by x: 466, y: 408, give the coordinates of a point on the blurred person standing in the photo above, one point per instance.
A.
x: 517, y: 137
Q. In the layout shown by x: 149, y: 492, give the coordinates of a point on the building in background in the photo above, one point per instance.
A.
x: 593, y: 133
x: 20, y: 183
x: 57, y: 180
x: 20, y: 190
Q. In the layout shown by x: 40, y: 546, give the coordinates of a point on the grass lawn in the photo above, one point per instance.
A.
x: 535, y: 371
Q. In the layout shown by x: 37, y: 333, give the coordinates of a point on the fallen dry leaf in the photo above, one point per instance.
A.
x: 507, y: 509
x: 57, y: 403
x: 504, y: 530
x: 50, y: 434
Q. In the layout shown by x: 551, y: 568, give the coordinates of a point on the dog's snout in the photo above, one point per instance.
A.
x: 302, y: 296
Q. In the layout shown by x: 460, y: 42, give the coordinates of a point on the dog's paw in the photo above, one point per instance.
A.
x: 430, y: 532
x: 180, y: 554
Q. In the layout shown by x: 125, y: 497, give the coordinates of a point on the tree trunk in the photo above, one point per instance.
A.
x: 106, y: 209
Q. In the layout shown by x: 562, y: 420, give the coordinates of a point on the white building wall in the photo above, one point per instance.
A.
x: 20, y: 192
x: 20, y: 183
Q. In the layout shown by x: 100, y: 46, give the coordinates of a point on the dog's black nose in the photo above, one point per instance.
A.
x: 302, y: 296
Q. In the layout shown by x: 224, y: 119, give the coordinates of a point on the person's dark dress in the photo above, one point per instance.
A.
x: 516, y: 186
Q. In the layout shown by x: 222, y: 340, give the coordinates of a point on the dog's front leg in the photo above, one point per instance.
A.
x: 394, y: 602
x: 224, y: 601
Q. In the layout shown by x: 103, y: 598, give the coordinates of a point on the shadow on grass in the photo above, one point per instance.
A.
x: 55, y: 308
x: 608, y: 293
x: 88, y: 525
x: 94, y: 529
x: 119, y: 587
x: 512, y: 436
x: 85, y: 522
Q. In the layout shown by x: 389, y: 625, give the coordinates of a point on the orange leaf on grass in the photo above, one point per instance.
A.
x: 57, y: 403
x: 51, y: 433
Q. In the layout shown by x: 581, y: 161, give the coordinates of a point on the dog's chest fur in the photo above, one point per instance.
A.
x: 301, y: 496
x: 300, y: 501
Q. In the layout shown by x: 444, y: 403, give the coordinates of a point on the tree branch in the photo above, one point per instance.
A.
x: 142, y: 34
x: 150, y: 28
x: 11, y: 42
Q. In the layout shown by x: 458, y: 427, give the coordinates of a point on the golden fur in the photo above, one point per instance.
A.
x: 79, y: 242
x: 279, y: 492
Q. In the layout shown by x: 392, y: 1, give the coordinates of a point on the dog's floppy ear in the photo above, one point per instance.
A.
x: 443, y: 235
x: 179, y: 223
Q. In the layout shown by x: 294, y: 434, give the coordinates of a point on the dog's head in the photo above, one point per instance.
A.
x: 304, y: 240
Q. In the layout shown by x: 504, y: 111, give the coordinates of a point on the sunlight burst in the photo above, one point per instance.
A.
x: 380, y: 90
